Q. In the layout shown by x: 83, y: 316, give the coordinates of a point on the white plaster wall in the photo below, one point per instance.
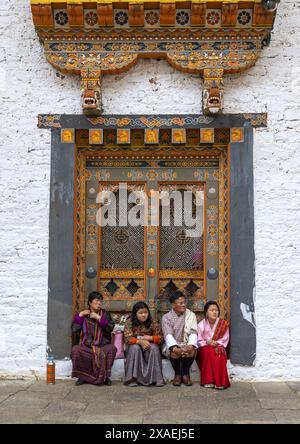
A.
x: 28, y: 86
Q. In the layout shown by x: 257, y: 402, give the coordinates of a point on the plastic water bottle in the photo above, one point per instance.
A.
x: 50, y: 370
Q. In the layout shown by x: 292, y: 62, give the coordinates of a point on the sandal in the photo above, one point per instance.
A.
x: 108, y: 382
x: 79, y: 382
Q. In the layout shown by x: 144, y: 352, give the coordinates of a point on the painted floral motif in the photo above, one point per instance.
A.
x: 91, y: 18
x: 121, y: 18
x: 135, y: 175
x: 244, y: 17
x: 91, y: 230
x: 212, y: 230
x: 72, y: 61
x: 61, y: 18
x: 152, y: 230
x: 182, y: 18
x: 152, y: 175
x: 152, y: 17
x: 213, y: 17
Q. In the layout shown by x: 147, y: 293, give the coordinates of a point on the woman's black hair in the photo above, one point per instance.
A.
x: 94, y: 295
x: 134, y: 320
x: 208, y: 304
x: 176, y: 295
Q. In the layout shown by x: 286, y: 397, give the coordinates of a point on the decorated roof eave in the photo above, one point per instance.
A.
x: 180, y: 63
x: 210, y: 38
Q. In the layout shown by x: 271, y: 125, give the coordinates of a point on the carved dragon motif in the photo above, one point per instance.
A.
x: 212, y: 96
x: 91, y: 92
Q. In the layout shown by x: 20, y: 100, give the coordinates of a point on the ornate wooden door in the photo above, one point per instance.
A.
x: 132, y: 263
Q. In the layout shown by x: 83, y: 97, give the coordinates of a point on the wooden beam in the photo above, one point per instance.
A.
x: 167, y: 14
x: 105, y: 15
x: 136, y: 14
x: 75, y: 13
x: 42, y: 15
x: 229, y: 14
x: 262, y: 17
x: 198, y: 12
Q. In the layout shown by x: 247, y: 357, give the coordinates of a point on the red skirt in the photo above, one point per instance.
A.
x: 213, y: 369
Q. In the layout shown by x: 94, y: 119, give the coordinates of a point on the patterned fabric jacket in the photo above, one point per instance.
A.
x: 94, y: 332
x: 131, y: 333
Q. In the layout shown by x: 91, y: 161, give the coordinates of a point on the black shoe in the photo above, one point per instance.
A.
x: 187, y: 380
x: 177, y: 381
x: 108, y: 382
x: 79, y: 382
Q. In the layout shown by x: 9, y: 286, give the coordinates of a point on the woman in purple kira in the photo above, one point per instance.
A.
x: 93, y: 358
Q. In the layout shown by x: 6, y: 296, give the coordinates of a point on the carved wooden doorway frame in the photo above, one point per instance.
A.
x: 63, y: 225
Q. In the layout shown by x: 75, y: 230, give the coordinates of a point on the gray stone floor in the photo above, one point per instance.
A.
x: 36, y: 402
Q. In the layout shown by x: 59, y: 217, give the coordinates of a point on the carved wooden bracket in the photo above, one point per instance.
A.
x: 208, y: 38
x: 212, y: 91
x: 91, y: 91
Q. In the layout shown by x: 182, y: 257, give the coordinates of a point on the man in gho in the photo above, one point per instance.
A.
x: 179, y: 327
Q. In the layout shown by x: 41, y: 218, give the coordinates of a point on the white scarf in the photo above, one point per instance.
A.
x: 190, y: 324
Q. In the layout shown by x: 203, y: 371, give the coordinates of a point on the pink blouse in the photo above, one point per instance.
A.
x: 205, y: 333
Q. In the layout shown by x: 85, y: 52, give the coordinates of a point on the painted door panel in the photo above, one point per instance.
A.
x: 149, y: 262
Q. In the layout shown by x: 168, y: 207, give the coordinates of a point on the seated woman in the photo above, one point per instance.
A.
x: 213, y: 338
x: 142, y: 337
x: 93, y: 358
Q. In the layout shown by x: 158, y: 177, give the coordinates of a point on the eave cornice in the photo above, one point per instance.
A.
x: 211, y: 38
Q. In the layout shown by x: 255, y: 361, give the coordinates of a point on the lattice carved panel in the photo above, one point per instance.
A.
x: 179, y: 251
x: 122, y: 247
